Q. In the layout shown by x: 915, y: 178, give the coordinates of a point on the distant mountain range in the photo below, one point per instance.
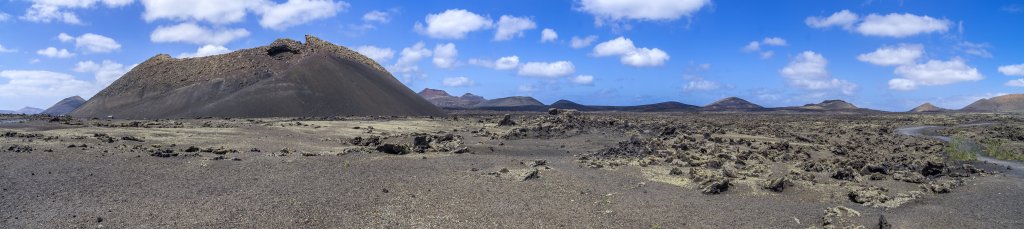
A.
x: 440, y: 98
x: 26, y: 110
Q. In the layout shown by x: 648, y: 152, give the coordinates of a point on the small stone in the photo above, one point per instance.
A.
x: 882, y: 223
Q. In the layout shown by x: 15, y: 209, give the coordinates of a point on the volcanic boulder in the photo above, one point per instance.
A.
x: 284, y: 79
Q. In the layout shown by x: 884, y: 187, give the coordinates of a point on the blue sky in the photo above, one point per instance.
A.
x: 882, y: 54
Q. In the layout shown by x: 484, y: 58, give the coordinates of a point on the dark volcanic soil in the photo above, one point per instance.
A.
x: 569, y: 169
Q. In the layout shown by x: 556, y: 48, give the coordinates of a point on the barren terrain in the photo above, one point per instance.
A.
x: 558, y: 169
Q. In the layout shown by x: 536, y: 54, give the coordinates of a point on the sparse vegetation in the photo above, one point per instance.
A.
x: 998, y: 149
x: 959, y: 150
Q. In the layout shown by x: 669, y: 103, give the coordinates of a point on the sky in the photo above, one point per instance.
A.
x: 882, y: 54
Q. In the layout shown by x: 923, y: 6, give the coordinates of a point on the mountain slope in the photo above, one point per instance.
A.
x: 1005, y: 103
x: 65, y: 106
x: 284, y: 79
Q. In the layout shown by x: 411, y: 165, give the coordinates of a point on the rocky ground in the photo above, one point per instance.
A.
x: 557, y: 169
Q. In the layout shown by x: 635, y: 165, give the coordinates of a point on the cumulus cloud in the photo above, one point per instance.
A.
x: 577, y: 42
x: 527, y: 89
x: 933, y: 73
x: 53, y: 52
x: 191, y: 33
x: 64, y: 37
x: 376, y: 53
x: 755, y: 46
x: 408, y: 60
x: 377, y: 16
x: 510, y: 27
x: 96, y: 43
x: 276, y: 16
x: 546, y: 69
x: 504, y: 63
x: 457, y: 82
x: 649, y: 10
x: 4, y: 17
x: 6, y: 50
x: 1012, y: 70
x: 206, y: 50
x: 843, y: 18
x: 975, y: 49
x: 902, y: 54
x: 700, y: 84
x: 548, y: 35
x: 582, y: 80
x: 40, y: 87
x: 297, y: 12
x: 889, y: 25
x: 901, y: 25
x: 59, y: 10
x: 106, y: 72
x: 809, y: 71
x: 1015, y: 83
x: 452, y: 24
x: 631, y: 55
x: 445, y: 55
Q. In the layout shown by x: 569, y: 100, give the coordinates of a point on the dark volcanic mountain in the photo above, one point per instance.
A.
x: 65, y: 106
x: 657, y: 107
x: 732, y: 104
x: 927, y: 108
x: 286, y: 78
x: 442, y: 99
x: 831, y: 105
x: 25, y: 110
x: 1006, y: 103
x: 514, y: 101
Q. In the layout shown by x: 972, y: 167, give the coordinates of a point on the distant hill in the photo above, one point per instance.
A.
x: 732, y: 104
x: 927, y: 108
x: 831, y: 105
x: 657, y: 107
x: 441, y: 98
x: 514, y: 101
x: 1005, y: 103
x: 284, y: 79
x: 65, y: 106
x: 25, y: 110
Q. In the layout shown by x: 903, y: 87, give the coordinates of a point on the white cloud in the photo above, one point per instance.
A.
x: 191, y: 33
x: 64, y: 37
x: 774, y: 41
x: 767, y: 54
x: 505, y: 63
x: 843, y: 18
x: 548, y: 35
x: 6, y: 50
x: 40, y: 86
x: 96, y: 43
x: 377, y: 16
x: 216, y: 12
x: 975, y: 49
x: 408, y: 60
x: 206, y: 50
x: 445, y: 55
x: 297, y: 12
x: 452, y: 24
x: 510, y: 27
x: 631, y: 55
x: 4, y: 17
x: 527, y: 89
x: 755, y: 46
x: 457, y: 82
x: 577, y: 42
x: 901, y: 25
x: 106, y: 72
x: 376, y: 53
x: 53, y: 52
x: 809, y: 71
x: 654, y: 10
x: 701, y: 84
x: 58, y: 10
x: 1015, y: 83
x: 544, y: 69
x: 583, y: 80
x: 932, y: 73
x: 1012, y: 70
x: 902, y: 54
